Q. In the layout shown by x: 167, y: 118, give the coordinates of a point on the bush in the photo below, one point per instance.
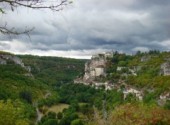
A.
x: 51, y: 115
x: 26, y: 95
x: 77, y: 122
x: 167, y: 105
x: 51, y: 122
x: 59, y: 115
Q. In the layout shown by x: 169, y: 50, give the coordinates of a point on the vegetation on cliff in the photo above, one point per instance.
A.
x: 26, y: 93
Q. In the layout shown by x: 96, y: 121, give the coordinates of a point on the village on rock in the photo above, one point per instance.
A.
x: 95, y: 74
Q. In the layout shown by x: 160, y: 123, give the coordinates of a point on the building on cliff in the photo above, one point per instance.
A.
x: 96, y: 66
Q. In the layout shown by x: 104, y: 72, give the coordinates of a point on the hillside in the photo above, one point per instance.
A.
x: 116, y: 86
x: 142, y: 70
x: 28, y: 79
x: 52, y: 70
x: 142, y: 79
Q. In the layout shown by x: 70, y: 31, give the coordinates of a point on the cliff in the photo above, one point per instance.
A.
x: 7, y: 58
x: 96, y: 67
x: 140, y: 75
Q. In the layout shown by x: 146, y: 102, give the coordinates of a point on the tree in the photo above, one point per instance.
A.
x: 51, y: 122
x: 55, y: 5
x: 59, y: 115
x: 77, y: 122
x: 26, y: 95
x: 12, y: 114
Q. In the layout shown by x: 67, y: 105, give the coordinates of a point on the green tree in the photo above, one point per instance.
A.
x: 12, y: 114
x: 26, y: 95
x: 77, y: 122
x: 51, y: 122
x: 59, y: 115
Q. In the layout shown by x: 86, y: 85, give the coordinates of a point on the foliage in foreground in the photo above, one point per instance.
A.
x: 136, y: 114
x: 12, y: 113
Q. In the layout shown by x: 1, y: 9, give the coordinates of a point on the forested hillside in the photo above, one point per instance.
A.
x: 143, y: 70
x: 40, y: 91
x: 52, y: 70
x: 26, y: 80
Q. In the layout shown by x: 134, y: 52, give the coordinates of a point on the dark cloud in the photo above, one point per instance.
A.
x: 92, y: 25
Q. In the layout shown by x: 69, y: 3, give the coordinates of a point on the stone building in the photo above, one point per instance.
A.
x: 96, y: 66
x: 136, y: 92
x: 100, y: 71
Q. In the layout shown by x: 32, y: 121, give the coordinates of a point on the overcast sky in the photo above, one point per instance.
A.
x: 90, y: 26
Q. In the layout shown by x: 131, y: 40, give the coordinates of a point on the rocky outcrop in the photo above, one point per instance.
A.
x: 165, y: 68
x: 5, y: 58
x: 145, y: 58
x: 13, y: 58
x: 96, y: 66
x: 3, y: 62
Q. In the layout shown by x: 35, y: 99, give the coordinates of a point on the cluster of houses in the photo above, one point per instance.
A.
x: 110, y: 86
x: 96, y: 68
x: 130, y: 90
x: 131, y: 71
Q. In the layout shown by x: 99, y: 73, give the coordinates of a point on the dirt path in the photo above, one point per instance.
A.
x: 39, y: 114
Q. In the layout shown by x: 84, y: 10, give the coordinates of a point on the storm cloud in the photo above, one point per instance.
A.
x: 90, y: 26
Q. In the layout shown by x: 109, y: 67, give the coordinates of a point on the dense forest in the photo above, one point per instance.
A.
x: 46, y: 94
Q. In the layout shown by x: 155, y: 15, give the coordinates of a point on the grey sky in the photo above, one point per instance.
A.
x: 91, y: 26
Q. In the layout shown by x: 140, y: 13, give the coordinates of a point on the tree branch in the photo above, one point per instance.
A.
x: 54, y: 5
x: 5, y: 30
x: 37, y: 4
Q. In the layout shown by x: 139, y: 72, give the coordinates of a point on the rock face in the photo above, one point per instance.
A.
x: 96, y: 66
x: 165, y: 68
x: 2, y: 61
x: 13, y: 58
x: 4, y: 58
x: 145, y: 58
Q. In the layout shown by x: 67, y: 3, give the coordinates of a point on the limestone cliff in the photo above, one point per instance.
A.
x: 7, y: 58
x: 96, y: 66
